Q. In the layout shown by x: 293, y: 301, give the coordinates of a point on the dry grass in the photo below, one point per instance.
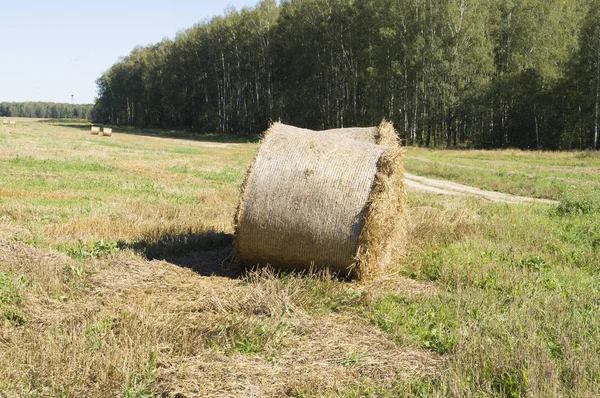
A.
x: 118, y: 259
x: 116, y: 280
x: 132, y: 324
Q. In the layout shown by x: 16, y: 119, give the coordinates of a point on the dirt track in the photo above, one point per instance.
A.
x: 441, y: 187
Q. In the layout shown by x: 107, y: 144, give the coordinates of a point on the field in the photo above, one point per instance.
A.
x: 116, y: 279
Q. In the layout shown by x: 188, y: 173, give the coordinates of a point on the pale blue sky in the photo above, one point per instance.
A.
x: 52, y: 49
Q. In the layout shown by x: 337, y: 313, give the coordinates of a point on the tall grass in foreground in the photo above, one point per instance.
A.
x: 518, y: 311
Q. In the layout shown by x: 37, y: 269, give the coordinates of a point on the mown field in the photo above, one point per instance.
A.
x: 116, y: 279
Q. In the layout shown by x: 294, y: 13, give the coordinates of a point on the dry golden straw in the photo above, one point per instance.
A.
x: 106, y: 131
x: 314, y: 200
x: 384, y: 134
x: 95, y: 130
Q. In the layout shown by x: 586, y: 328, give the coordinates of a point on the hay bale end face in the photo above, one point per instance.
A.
x: 106, y: 131
x: 384, y: 220
x: 95, y: 130
x: 313, y: 200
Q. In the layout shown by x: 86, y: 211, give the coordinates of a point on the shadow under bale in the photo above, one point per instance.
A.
x: 209, y: 253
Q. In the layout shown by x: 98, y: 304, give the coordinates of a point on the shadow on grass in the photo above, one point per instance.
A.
x: 208, y: 254
x: 76, y: 126
x: 158, y: 133
x: 186, y: 135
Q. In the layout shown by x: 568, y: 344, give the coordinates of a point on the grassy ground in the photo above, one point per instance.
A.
x: 115, y: 280
x: 539, y: 174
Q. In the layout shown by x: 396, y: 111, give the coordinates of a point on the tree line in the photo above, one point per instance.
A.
x: 475, y: 73
x: 52, y: 110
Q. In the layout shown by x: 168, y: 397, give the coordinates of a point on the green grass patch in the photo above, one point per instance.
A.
x: 10, y: 298
x: 227, y: 174
x: 430, y: 323
x: 142, y: 383
x: 411, y: 388
x: 249, y: 336
x: 52, y: 165
x: 90, y: 249
x: 9, y: 289
x: 579, y: 202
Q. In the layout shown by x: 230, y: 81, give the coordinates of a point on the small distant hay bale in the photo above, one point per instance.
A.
x: 5, y: 121
x: 107, y: 131
x: 384, y: 134
x: 95, y: 130
x: 13, y: 122
x: 313, y: 200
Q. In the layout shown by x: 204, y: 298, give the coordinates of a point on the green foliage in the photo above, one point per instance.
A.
x: 579, y: 202
x: 536, y: 263
x: 12, y: 316
x: 486, y: 74
x: 325, y: 297
x: 10, y: 296
x: 96, y: 332
x: 410, y: 388
x: 90, y: 249
x: 9, y: 290
x: 428, y: 322
x: 508, y: 385
x: 49, y: 110
x: 247, y: 337
x: 143, y: 382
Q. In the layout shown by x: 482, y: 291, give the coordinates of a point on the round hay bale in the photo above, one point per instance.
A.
x: 313, y: 200
x: 384, y: 134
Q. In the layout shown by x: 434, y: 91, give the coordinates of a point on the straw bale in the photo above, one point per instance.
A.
x: 95, y: 130
x: 106, y: 131
x: 313, y: 200
x: 384, y: 134
x: 365, y: 134
x: 5, y: 122
x: 13, y: 122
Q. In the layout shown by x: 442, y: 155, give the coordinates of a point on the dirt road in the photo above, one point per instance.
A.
x: 441, y: 187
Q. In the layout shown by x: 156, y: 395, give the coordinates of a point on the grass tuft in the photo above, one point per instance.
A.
x: 91, y: 249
